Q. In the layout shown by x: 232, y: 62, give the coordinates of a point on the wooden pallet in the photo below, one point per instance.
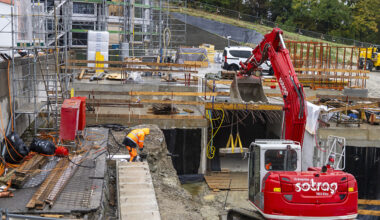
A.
x: 227, y: 181
x: 228, y: 74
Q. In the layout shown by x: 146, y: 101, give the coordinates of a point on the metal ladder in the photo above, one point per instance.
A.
x: 336, y: 156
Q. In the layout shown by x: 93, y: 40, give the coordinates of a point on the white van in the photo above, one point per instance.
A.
x: 232, y: 56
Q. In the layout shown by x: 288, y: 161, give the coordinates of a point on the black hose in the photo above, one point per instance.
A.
x: 118, y: 149
x: 79, y: 165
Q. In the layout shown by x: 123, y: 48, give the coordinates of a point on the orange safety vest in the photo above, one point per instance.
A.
x: 137, y: 136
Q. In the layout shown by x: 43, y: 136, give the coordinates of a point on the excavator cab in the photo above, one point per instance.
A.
x: 247, y: 89
x: 267, y: 156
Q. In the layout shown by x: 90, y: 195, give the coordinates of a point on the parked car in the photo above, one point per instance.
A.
x: 232, y: 56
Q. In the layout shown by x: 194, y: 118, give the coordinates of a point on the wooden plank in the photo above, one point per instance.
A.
x: 310, y: 76
x: 138, y: 116
x: 347, y: 98
x: 368, y: 202
x: 179, y: 93
x: 81, y: 74
x: 239, y: 106
x: 368, y: 212
x: 136, y: 101
x: 128, y: 69
x: 138, y: 63
x: 44, y: 190
x: 147, y: 93
x: 331, y: 70
x: 223, y: 180
x: 28, y: 169
x: 310, y: 98
x: 352, y: 107
x: 208, y: 105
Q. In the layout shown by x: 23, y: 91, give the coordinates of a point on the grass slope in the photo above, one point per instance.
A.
x: 250, y: 25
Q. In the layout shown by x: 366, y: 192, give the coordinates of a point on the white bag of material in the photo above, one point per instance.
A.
x: 97, y: 41
x: 97, y: 46
x: 135, y: 76
x: 98, y: 36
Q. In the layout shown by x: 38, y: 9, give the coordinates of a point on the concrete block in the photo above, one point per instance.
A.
x: 136, y: 195
x: 155, y: 215
x: 135, y: 179
x: 355, y: 92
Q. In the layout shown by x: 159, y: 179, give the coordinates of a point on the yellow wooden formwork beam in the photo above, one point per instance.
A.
x: 146, y: 93
x: 368, y: 202
x: 352, y: 107
x: 240, y: 106
x: 368, y: 212
x: 128, y: 69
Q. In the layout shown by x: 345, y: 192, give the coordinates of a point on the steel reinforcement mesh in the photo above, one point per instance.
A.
x: 78, y: 191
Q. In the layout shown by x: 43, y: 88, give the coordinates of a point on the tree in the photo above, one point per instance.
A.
x: 301, y: 14
x: 258, y: 8
x: 366, y: 20
x: 280, y: 10
x: 319, y: 15
x: 330, y: 15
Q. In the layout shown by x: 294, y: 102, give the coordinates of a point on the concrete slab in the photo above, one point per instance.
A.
x: 136, y: 195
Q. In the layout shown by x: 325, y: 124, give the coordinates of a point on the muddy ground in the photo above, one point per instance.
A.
x: 175, y: 202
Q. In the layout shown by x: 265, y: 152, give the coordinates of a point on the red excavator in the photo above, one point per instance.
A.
x: 278, y: 188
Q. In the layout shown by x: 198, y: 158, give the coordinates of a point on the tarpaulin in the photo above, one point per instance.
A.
x: 191, y: 54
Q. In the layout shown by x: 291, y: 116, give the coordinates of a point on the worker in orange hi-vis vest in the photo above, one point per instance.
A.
x: 135, y: 138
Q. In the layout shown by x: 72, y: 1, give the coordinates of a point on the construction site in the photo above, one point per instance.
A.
x: 230, y: 122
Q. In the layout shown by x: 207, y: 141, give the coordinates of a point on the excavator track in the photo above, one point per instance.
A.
x: 243, y: 214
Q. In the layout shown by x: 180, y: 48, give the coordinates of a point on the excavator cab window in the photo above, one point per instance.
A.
x: 279, y: 160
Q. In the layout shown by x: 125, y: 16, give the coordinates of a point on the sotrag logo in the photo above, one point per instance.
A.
x: 317, y: 187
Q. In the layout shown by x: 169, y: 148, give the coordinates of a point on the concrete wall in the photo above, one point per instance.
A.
x: 363, y: 136
x: 4, y: 98
x: 23, y: 68
x: 22, y: 121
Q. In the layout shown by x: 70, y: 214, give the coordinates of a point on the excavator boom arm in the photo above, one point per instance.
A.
x: 272, y: 47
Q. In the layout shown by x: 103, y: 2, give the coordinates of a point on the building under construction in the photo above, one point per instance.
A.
x: 77, y: 76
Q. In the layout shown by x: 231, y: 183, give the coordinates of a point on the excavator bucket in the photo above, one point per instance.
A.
x: 247, y: 89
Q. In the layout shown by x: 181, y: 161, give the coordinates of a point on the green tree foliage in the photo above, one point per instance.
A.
x: 257, y: 8
x: 366, y: 20
x: 319, y: 15
x: 280, y: 10
x: 357, y: 19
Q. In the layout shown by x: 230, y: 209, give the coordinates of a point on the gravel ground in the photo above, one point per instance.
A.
x: 373, y: 84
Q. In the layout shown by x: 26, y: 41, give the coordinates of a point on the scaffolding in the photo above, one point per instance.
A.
x: 42, y: 36
x: 137, y: 28
x: 37, y: 52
